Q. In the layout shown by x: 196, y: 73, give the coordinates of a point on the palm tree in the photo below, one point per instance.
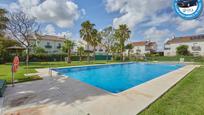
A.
x: 3, y: 21
x: 95, y: 41
x: 86, y: 33
x: 114, y: 49
x: 122, y: 34
x: 68, y: 46
x: 80, y: 52
x: 129, y: 47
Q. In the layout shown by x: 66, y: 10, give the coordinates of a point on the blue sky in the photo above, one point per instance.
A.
x: 148, y: 19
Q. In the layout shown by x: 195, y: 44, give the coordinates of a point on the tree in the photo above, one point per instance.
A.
x: 3, y: 21
x: 86, y: 33
x: 21, y: 28
x: 80, y: 52
x: 122, y: 34
x: 108, y: 39
x: 129, y: 47
x: 39, y: 50
x: 182, y: 50
x: 4, y: 44
x: 95, y: 41
x: 68, y: 47
x: 115, y: 48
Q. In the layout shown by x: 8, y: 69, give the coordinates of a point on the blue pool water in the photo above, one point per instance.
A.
x: 118, y: 77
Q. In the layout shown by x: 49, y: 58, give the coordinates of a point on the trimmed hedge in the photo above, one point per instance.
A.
x: 52, y: 57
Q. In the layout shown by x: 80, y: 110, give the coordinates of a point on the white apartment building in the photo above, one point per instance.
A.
x: 51, y: 44
x: 100, y: 49
x: 195, y: 45
x: 143, y: 47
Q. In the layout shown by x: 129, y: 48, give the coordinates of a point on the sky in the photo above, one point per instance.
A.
x: 147, y: 19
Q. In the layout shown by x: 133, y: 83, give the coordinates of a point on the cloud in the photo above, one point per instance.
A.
x: 157, y: 35
x: 145, y: 14
x: 50, y: 30
x: 158, y: 20
x: 187, y: 25
x: 134, y: 12
x: 83, y: 11
x: 63, y: 13
x: 200, y: 30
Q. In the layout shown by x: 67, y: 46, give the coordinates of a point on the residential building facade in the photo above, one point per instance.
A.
x: 51, y: 44
x: 143, y: 47
x: 195, y: 45
x: 100, y: 49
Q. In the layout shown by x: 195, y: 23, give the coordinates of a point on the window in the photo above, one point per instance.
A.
x: 196, y: 47
x: 48, y: 45
x: 59, y: 46
x: 101, y: 50
x: 167, y: 48
x: 138, y: 50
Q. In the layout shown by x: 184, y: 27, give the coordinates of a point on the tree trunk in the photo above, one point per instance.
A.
x: 121, y: 54
x: 69, y: 57
x: 88, y: 54
x: 80, y: 58
x: 107, y: 56
x: 94, y: 53
x: 27, y: 59
x: 128, y: 54
x: 88, y: 57
x: 113, y: 56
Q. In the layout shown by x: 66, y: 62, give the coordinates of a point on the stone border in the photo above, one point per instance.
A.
x: 1, y: 104
x: 57, y: 74
x: 140, y: 96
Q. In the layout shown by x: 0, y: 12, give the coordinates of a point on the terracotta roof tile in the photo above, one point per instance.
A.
x: 196, y: 38
x: 143, y: 43
x: 50, y: 38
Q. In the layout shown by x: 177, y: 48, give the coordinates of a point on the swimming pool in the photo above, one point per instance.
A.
x: 116, y: 78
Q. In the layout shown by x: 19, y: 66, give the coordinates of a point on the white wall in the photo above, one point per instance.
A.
x: 54, y: 44
x: 172, y: 51
x: 99, y: 49
x: 135, y: 50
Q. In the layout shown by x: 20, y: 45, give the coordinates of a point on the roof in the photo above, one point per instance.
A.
x: 143, y: 43
x: 50, y: 38
x: 196, y: 38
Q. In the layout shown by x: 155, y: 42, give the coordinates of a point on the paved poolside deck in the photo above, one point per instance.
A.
x: 64, y: 96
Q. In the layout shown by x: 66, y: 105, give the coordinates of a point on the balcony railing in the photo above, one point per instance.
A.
x: 196, y: 48
x: 58, y: 47
x: 167, y: 48
x: 48, y: 46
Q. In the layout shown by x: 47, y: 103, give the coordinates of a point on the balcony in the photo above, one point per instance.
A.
x: 59, y: 47
x: 167, y: 48
x: 48, y: 46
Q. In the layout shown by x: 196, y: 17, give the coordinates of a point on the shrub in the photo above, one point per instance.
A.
x: 182, y: 50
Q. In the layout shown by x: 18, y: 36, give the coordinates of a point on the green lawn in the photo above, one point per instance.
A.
x: 186, y: 98
x: 5, y: 69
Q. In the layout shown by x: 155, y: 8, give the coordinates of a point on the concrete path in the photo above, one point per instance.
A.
x: 66, y: 96
x: 1, y: 104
